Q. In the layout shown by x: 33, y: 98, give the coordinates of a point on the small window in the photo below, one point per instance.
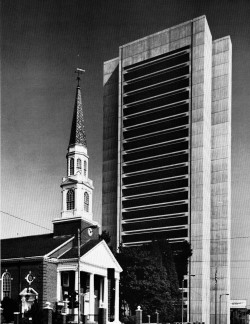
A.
x: 70, y: 199
x: 79, y: 164
x: 6, y: 282
x: 86, y: 202
x: 71, y: 166
x: 85, y: 168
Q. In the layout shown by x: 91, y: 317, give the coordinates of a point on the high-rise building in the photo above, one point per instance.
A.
x: 167, y: 154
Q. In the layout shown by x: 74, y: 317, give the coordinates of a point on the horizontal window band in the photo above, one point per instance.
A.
x: 152, y: 218
x: 153, y: 229
x: 158, y: 79
x: 157, y: 139
x: 155, y: 151
x: 155, y: 115
x: 156, y: 223
x: 154, y: 103
x: 154, y: 175
x: 167, y: 125
x: 165, y: 160
x: 172, y: 234
x: 170, y: 209
x: 154, y: 199
x: 167, y: 70
x: 172, y: 241
x: 160, y: 186
x: 155, y: 91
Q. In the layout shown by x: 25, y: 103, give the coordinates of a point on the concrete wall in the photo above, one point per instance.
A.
x: 221, y: 178
x: 163, y: 42
x: 110, y: 149
x: 200, y: 176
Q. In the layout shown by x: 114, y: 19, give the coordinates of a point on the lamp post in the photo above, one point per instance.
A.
x: 220, y: 306
x: 79, y: 273
x: 215, y: 297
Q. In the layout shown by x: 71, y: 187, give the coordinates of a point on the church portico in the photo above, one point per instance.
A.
x: 94, y: 284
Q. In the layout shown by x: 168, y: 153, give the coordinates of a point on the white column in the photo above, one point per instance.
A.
x: 116, y: 300
x: 64, y: 204
x: 101, y: 293
x: 77, y: 207
x: 76, y: 280
x: 58, y: 285
x: 105, y: 296
x: 91, y: 297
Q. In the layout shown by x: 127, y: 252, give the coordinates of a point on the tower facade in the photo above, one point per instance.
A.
x: 166, y: 153
x: 77, y: 188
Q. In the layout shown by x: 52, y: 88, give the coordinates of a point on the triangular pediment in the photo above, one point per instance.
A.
x: 101, y: 256
x: 28, y: 291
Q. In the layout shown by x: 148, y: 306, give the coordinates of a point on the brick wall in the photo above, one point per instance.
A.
x: 19, y: 270
x: 49, y: 282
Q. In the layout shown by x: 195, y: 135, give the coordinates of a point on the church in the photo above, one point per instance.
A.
x: 70, y: 267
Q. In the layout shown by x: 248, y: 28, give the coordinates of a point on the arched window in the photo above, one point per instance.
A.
x: 6, y: 284
x: 71, y: 166
x: 70, y: 199
x: 85, y: 168
x: 86, y: 202
x: 79, y: 164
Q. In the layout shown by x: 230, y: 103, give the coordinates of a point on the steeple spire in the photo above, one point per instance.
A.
x: 77, y: 187
x: 78, y: 134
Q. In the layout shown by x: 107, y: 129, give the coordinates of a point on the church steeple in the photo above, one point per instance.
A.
x: 78, y: 134
x: 77, y: 188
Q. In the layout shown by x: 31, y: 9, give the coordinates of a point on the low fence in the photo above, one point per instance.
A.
x: 48, y: 316
x: 139, y: 318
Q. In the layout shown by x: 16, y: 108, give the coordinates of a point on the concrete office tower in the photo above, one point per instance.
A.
x: 166, y: 154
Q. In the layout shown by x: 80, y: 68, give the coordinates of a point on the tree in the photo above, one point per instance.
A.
x: 181, y: 257
x: 149, y: 280
x: 105, y: 236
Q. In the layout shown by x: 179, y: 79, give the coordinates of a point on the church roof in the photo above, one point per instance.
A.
x: 94, y: 253
x: 78, y: 134
x: 31, y: 246
x: 73, y: 253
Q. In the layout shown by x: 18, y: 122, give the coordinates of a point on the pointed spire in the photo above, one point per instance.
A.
x: 78, y: 135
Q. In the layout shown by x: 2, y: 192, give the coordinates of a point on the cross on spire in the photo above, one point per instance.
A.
x: 79, y: 71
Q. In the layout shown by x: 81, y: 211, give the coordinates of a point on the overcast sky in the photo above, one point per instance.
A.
x: 42, y: 44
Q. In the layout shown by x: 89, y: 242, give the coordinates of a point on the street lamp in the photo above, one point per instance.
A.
x: 79, y: 273
x: 220, y: 305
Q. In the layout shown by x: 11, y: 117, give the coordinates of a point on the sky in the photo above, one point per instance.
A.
x: 42, y: 42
